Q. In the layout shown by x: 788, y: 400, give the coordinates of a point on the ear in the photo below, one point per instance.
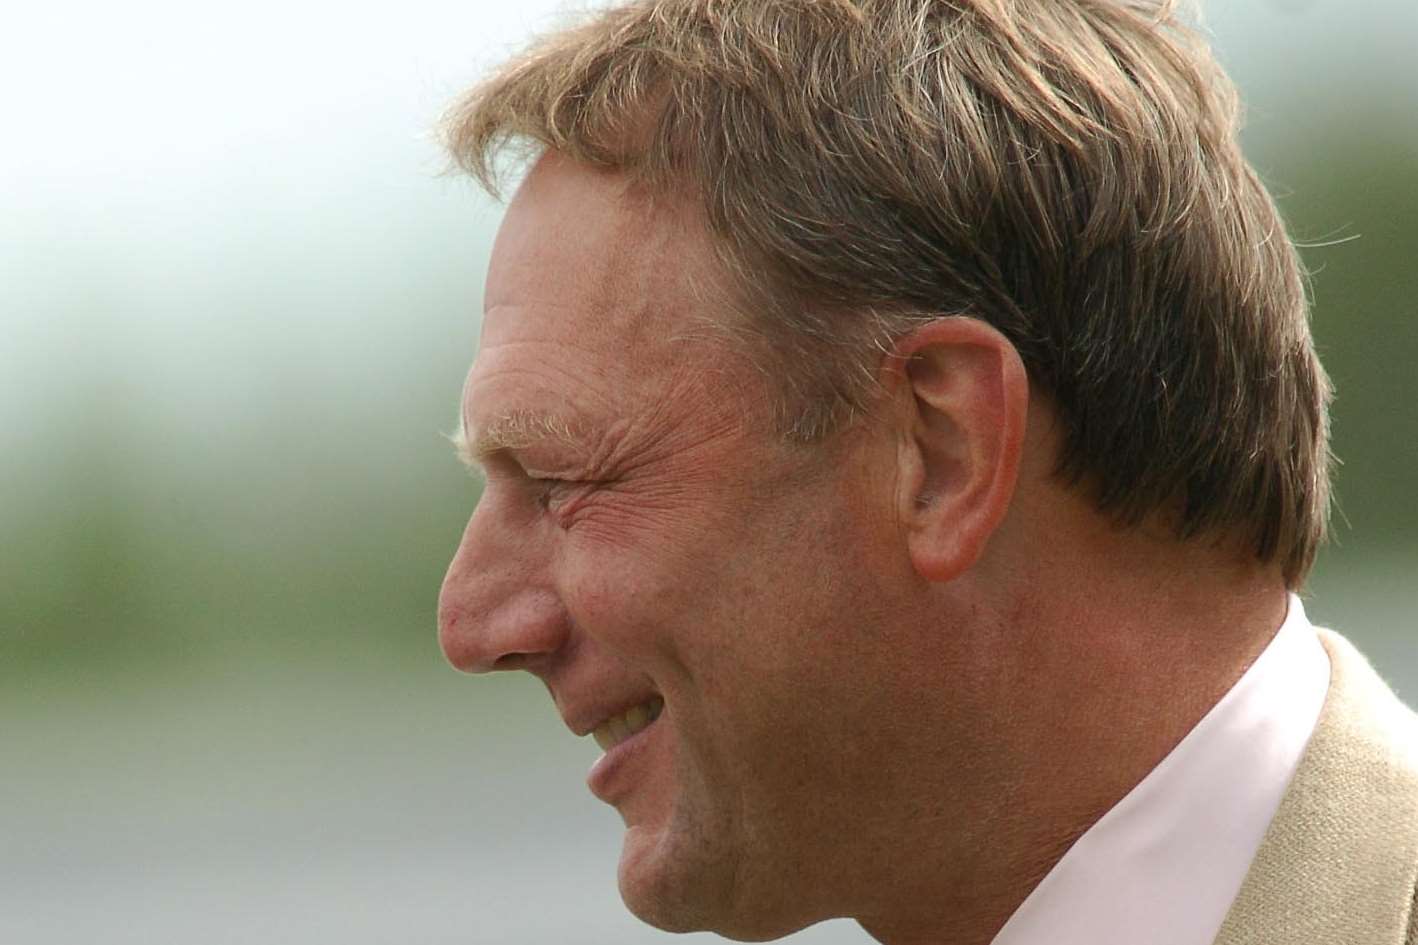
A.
x: 964, y: 399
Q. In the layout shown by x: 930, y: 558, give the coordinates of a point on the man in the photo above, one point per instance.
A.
x: 902, y: 440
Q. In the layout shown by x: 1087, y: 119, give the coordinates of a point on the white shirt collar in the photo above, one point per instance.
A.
x: 1164, y: 864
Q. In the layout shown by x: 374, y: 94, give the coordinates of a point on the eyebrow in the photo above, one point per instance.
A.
x: 514, y: 430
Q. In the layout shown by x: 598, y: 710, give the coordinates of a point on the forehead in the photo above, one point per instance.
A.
x: 621, y: 266
x: 596, y: 296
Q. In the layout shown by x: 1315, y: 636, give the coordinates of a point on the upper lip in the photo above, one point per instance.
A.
x: 585, y: 717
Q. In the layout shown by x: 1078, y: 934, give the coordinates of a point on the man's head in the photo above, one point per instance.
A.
x: 1065, y: 171
x: 834, y: 351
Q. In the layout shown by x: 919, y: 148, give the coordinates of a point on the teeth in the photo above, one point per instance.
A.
x: 618, y: 728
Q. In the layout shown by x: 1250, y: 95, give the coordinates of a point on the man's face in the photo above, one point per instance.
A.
x: 653, y: 551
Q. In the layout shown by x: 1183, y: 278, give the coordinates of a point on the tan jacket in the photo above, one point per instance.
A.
x: 1339, y: 863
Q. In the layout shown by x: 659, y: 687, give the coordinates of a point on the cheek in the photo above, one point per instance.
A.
x: 642, y: 569
x: 631, y: 601
x: 681, y: 615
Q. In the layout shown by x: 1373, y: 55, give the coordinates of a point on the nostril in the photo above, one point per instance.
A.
x: 466, y: 651
x: 481, y: 632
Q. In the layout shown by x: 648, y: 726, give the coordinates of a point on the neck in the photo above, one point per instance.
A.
x: 1093, y: 671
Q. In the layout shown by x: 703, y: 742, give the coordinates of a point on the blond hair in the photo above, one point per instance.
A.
x: 1067, y: 170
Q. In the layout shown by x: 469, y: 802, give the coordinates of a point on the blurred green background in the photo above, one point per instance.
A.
x: 237, y: 301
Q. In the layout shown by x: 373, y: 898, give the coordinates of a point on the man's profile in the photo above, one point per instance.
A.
x: 903, y: 441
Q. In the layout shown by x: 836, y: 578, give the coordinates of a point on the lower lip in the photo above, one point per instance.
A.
x: 614, y: 773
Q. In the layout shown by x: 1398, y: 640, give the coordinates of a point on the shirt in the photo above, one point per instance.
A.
x: 1164, y: 864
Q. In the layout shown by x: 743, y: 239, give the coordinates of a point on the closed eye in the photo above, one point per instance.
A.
x: 546, y: 488
x: 507, y: 466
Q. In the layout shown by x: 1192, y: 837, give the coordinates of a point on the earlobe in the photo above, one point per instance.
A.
x: 965, y: 397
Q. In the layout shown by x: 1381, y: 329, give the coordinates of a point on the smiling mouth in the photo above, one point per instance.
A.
x: 618, y: 728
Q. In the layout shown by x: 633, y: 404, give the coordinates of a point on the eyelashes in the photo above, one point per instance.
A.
x: 546, y: 489
x: 555, y: 495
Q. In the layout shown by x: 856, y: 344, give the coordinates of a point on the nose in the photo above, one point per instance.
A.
x: 497, y: 608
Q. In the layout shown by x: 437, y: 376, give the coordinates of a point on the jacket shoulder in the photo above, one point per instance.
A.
x: 1339, y: 862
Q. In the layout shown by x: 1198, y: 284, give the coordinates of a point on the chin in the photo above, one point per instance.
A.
x: 694, y: 890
